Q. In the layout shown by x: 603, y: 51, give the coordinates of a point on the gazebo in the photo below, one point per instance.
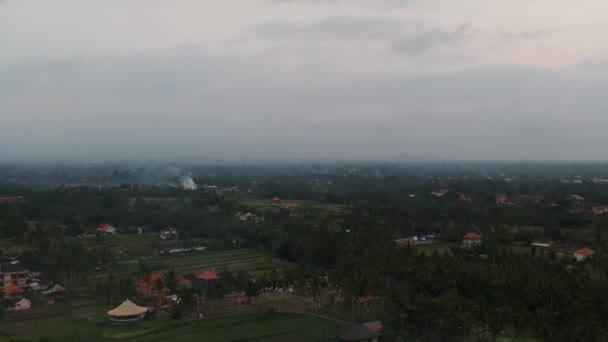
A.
x: 127, y: 311
x: 56, y: 289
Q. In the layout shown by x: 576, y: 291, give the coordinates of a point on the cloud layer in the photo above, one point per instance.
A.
x: 301, y: 79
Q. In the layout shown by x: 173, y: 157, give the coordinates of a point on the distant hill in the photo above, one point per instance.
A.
x: 407, y: 157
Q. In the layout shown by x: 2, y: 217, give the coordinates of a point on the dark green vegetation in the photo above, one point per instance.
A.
x: 336, y: 247
x: 85, y: 320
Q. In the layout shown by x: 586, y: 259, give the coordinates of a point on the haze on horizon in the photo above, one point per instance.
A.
x: 367, y: 79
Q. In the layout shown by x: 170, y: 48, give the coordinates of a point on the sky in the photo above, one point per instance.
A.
x: 345, y: 79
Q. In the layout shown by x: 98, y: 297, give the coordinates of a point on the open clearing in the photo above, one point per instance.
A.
x: 85, y: 320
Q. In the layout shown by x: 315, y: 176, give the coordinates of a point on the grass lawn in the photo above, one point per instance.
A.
x: 245, y: 260
x: 255, y: 204
x: 429, y: 248
x: 85, y: 320
x: 256, y: 327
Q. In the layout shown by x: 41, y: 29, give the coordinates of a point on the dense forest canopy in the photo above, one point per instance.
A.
x: 345, y: 232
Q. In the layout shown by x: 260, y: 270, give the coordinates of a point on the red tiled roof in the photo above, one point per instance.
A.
x: 560, y: 254
x: 290, y: 205
x: 183, y: 281
x: 105, y: 227
x: 472, y: 235
x: 585, y: 251
x: 276, y: 199
x: 152, y: 280
x: 12, y: 289
x: 209, y: 275
x: 366, y: 299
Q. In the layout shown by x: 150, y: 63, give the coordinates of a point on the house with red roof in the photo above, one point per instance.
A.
x: 500, y: 199
x: 12, y: 199
x: 583, y: 254
x: 290, y: 205
x: 184, y: 282
x: 12, y: 290
x: 471, y: 239
x: 601, y: 209
x: 279, y: 205
x: 106, y: 229
x: 209, y: 277
x: 149, y: 287
x: 366, y: 299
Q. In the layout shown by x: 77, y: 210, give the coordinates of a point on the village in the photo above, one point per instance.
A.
x: 153, y: 262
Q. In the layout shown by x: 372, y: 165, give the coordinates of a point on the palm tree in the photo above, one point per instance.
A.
x: 170, y: 280
x: 159, y: 288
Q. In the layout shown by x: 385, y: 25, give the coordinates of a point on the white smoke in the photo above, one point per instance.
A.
x: 188, y: 183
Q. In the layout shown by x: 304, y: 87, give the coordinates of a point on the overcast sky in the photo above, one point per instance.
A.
x: 371, y: 79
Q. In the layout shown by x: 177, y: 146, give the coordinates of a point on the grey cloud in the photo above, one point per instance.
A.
x: 341, y: 27
x: 375, y: 4
x: 189, y: 103
x: 595, y: 64
x: 422, y: 40
x: 528, y: 34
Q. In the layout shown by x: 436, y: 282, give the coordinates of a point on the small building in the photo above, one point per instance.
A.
x: 169, y: 234
x: 184, y: 282
x: 440, y: 192
x: 471, y: 239
x: 15, y: 273
x: 462, y: 197
x: 598, y: 210
x: 18, y: 304
x: 149, y: 287
x: 366, y: 299
x: 12, y: 290
x: 209, y: 275
x: 542, y: 243
x: 12, y: 199
x: 56, y: 290
x: 575, y: 198
x: 127, y: 311
x: 249, y: 217
x: 106, y: 229
x: 500, y: 199
x: 583, y: 254
x: 360, y: 333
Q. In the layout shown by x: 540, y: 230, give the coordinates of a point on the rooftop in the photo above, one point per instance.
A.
x: 472, y: 235
x: 585, y: 251
x: 209, y: 275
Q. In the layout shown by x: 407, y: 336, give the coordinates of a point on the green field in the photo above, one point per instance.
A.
x: 85, y: 320
x: 256, y: 204
x: 439, y: 246
x: 245, y: 260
